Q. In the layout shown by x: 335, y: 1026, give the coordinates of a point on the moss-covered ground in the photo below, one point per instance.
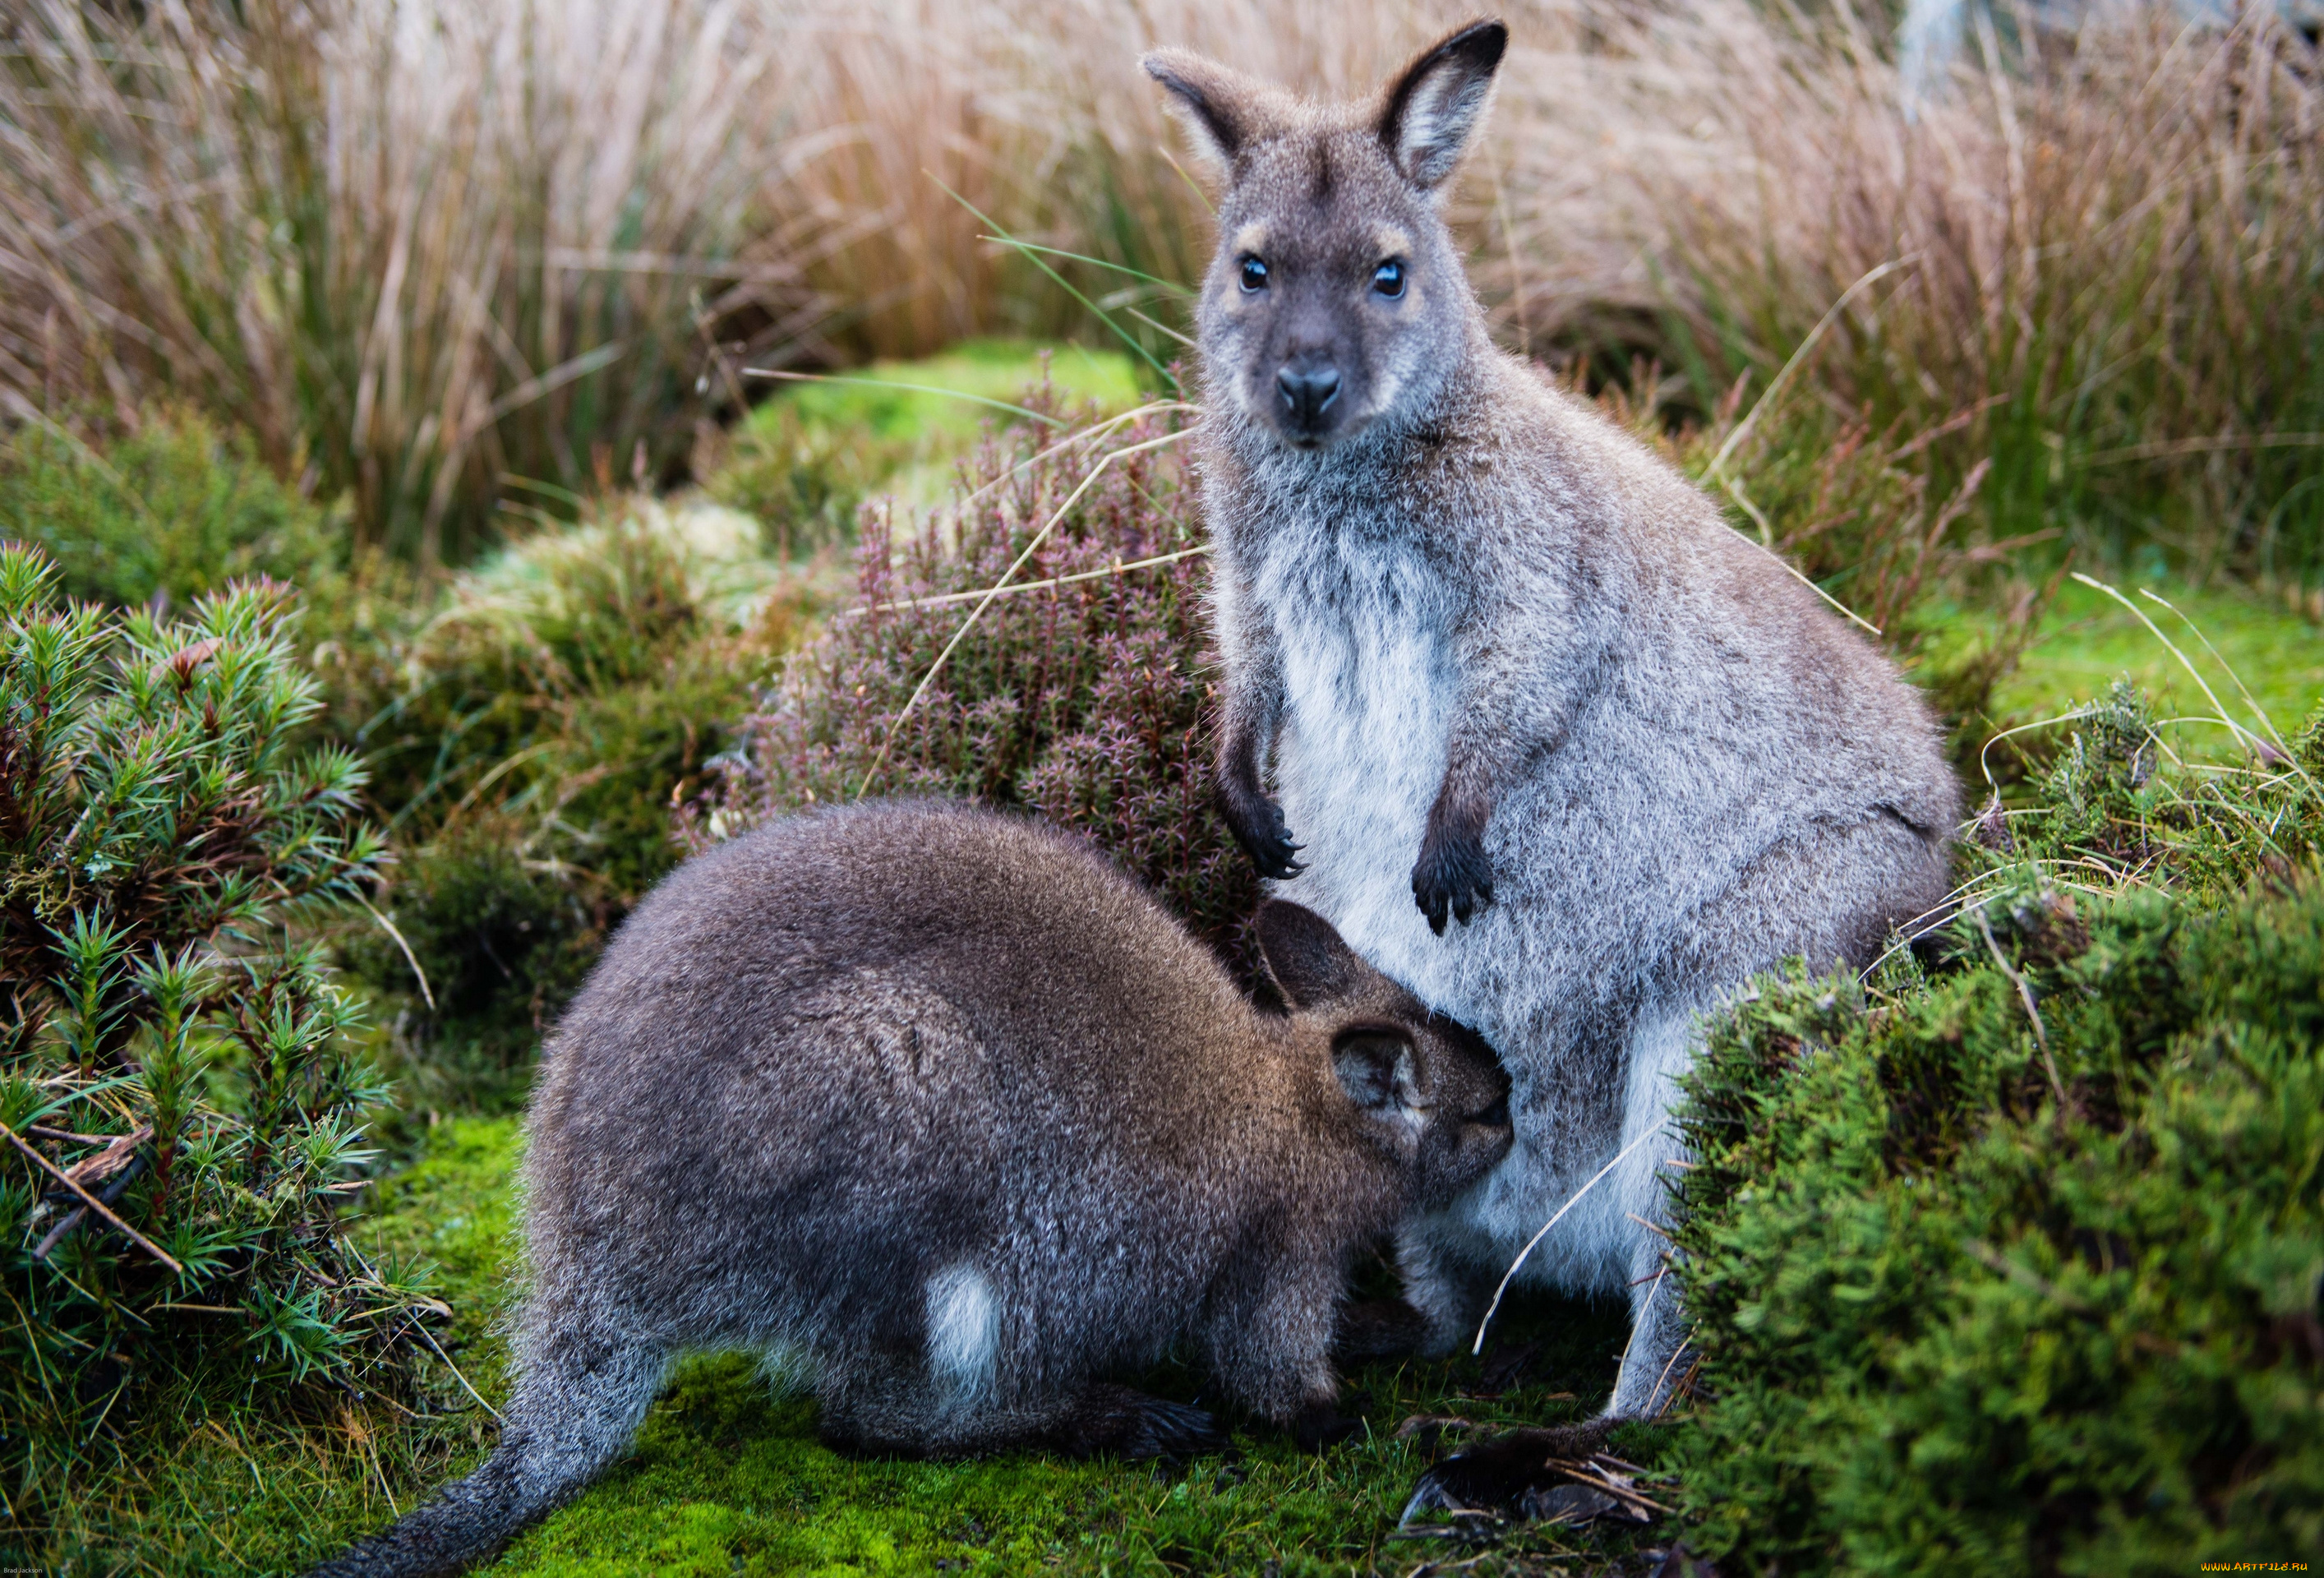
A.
x: 728, y: 1475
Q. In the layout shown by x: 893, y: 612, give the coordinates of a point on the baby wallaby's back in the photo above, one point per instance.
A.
x: 939, y: 1108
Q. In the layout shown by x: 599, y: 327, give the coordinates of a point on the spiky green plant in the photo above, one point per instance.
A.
x: 180, y: 1097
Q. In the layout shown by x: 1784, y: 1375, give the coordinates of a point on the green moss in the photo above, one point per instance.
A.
x: 728, y: 1478
x: 804, y: 461
x: 728, y: 1475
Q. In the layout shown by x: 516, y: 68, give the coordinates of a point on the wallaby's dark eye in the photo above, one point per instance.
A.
x: 1389, y: 278
x: 1254, y: 274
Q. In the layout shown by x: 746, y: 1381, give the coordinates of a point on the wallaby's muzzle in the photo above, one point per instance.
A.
x: 1308, y: 388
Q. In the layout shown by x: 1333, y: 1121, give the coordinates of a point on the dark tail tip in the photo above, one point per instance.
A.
x: 464, y: 1526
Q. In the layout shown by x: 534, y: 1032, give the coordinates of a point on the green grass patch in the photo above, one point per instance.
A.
x: 939, y: 401
x: 2086, y: 640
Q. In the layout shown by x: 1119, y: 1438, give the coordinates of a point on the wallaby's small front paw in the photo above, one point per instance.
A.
x: 1453, y: 878
x: 1257, y: 823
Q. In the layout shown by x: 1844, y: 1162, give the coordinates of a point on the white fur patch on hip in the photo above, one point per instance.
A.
x: 963, y: 1331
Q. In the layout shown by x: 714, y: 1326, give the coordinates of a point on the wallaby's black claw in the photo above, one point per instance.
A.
x: 1510, y: 1474
x: 1431, y: 1495
x: 1453, y: 878
x: 1275, y: 862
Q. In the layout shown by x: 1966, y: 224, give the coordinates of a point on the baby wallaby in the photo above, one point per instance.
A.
x: 1568, y: 756
x: 938, y: 1110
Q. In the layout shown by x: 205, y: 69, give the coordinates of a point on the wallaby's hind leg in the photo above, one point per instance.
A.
x: 579, y: 1398
x: 889, y: 1407
x: 1448, y: 1292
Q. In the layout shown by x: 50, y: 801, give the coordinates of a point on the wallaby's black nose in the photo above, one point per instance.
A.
x: 1308, y: 390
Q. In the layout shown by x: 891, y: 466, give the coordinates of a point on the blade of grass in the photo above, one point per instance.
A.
x: 1171, y: 285
x: 1119, y: 569
x: 1127, y: 339
x: 2201, y: 683
x: 2250, y: 700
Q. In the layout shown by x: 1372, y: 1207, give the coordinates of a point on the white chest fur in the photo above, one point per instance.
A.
x: 1367, y: 690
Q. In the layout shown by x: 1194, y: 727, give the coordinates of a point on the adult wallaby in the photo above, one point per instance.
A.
x: 1510, y: 670
x: 940, y: 1108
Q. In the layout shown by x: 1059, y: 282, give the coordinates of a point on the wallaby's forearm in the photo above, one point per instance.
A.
x: 1252, y: 711
x: 1253, y: 816
x: 1506, y: 715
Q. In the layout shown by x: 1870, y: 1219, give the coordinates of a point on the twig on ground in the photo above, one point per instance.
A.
x: 139, y: 1239
x: 79, y: 1214
x: 67, y: 1137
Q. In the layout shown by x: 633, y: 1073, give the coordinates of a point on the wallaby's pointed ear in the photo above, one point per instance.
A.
x: 1435, y: 106
x: 1217, y: 104
x: 1309, y: 962
x: 1376, y: 1067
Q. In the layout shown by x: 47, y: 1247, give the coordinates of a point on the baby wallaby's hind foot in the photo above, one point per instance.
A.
x: 1103, y: 1420
x: 1120, y: 1422
x: 1377, y: 1329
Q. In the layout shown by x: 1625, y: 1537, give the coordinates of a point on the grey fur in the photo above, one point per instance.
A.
x: 941, y: 1108
x: 1509, y: 670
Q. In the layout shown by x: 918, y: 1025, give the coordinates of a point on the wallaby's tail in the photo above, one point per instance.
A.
x: 578, y: 1403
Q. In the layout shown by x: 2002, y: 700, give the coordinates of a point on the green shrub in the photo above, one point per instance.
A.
x: 165, y: 1038
x: 1085, y: 700
x: 2016, y: 1269
x: 175, y: 510
x: 528, y: 733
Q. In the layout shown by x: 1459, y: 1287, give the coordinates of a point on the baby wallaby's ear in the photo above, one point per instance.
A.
x: 1310, y: 964
x: 1220, y: 107
x: 1376, y: 1067
x: 1434, y: 109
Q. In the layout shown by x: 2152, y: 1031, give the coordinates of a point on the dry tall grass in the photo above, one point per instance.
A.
x: 418, y: 246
